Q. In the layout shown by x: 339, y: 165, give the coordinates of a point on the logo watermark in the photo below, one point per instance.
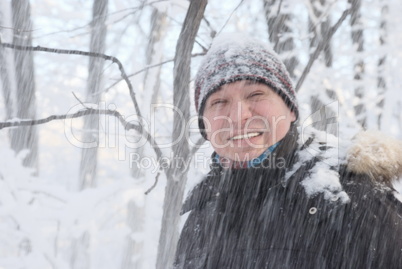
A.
x: 111, y: 134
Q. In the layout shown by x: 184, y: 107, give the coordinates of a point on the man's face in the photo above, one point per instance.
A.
x: 244, y: 118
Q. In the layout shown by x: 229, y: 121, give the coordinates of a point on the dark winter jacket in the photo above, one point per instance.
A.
x: 269, y: 216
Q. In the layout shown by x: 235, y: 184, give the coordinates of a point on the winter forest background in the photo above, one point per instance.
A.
x: 95, y: 190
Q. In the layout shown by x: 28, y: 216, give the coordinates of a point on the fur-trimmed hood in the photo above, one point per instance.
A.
x: 377, y: 155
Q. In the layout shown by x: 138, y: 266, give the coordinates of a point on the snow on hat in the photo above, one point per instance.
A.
x: 234, y: 57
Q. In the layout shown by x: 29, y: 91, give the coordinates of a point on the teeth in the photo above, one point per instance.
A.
x: 245, y: 136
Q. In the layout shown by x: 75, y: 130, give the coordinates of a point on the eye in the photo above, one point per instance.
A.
x: 218, y: 102
x: 255, y: 94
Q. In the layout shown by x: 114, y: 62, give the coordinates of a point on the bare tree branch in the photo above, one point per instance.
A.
x: 196, y: 147
x: 83, y: 53
x: 199, y: 143
x: 81, y: 113
x: 79, y: 100
x: 88, y: 111
x: 213, y: 31
x: 131, y: 11
x: 151, y: 66
x: 324, y: 42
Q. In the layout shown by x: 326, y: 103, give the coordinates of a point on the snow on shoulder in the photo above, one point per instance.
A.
x: 370, y: 152
x: 329, y: 152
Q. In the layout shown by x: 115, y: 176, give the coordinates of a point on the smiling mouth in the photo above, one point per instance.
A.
x: 245, y: 136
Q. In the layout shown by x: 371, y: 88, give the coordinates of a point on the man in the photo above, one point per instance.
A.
x: 274, y: 199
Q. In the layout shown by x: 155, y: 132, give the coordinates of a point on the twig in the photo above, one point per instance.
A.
x: 19, y: 30
x: 204, y: 49
x: 320, y: 47
x: 140, y: 71
x: 45, y: 193
x: 230, y: 16
x: 213, y: 31
x: 84, y: 53
x: 155, y: 183
x: 151, y: 66
x: 79, y: 100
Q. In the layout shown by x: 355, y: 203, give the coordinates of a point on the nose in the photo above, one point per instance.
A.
x: 240, y: 112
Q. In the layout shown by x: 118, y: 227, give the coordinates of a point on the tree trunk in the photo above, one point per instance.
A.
x: 381, y: 82
x: 80, y: 248
x: 133, y: 256
x: 6, y: 85
x: 5, y: 70
x: 280, y: 33
x: 133, y: 253
x: 320, y: 27
x: 359, y: 66
x: 177, y: 174
x: 152, y: 78
x: 24, y: 138
x: 80, y: 254
x: 91, y: 123
x: 324, y: 117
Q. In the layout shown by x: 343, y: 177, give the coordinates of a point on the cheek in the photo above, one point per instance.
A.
x: 276, y: 115
x: 272, y: 110
x: 265, y: 110
x: 212, y: 126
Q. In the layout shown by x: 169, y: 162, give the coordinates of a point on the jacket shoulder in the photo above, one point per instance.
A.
x: 370, y: 159
x: 200, y: 194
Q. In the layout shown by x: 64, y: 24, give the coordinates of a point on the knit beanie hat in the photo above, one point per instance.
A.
x: 234, y: 57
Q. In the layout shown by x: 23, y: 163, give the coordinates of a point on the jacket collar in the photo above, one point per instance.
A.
x: 226, y: 163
